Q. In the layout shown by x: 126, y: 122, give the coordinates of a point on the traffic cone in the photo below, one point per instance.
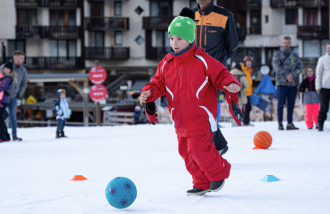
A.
x: 78, y: 178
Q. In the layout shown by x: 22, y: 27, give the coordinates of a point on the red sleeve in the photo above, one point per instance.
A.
x: 156, y: 85
x: 219, y: 74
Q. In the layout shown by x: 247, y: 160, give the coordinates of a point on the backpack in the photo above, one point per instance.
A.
x: 57, y: 103
x: 2, y: 77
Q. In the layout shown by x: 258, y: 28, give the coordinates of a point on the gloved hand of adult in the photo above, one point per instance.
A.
x: 234, y: 109
x: 150, y: 110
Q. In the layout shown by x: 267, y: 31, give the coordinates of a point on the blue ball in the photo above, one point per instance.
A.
x: 120, y: 192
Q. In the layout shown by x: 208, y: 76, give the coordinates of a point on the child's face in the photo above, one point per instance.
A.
x: 310, y: 72
x: 62, y: 95
x: 6, y: 71
x: 178, y: 43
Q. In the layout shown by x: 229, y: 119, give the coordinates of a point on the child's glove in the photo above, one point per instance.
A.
x: 150, y: 110
x: 234, y: 109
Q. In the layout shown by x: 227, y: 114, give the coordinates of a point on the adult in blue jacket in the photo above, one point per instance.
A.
x: 63, y: 112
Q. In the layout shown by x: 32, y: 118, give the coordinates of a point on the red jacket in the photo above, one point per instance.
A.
x: 190, y: 81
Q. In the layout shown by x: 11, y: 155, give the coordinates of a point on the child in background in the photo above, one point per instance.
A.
x: 189, y: 77
x: 63, y: 112
x: 311, y: 99
x: 136, y: 116
x: 5, y: 86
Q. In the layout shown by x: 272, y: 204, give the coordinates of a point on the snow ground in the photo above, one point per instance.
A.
x: 35, y: 173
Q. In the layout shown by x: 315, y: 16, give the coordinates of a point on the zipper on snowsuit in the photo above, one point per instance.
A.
x: 205, y: 36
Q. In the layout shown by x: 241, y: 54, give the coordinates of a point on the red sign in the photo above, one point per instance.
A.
x: 97, y: 75
x: 98, y: 93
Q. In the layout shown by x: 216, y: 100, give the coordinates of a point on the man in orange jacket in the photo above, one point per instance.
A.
x: 247, y: 68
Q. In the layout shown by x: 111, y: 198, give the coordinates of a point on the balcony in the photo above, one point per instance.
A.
x: 309, y: 62
x: 157, y: 23
x: 313, y: 32
x: 298, y: 3
x: 47, y: 3
x: 106, y: 23
x: 49, y: 32
x: 56, y: 63
x: 157, y: 53
x: 248, y: 4
x: 110, y: 53
x: 244, y: 31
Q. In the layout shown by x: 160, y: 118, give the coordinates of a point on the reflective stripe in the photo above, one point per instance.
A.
x: 163, y: 66
x: 170, y: 92
x: 202, y: 86
x: 212, y: 121
x: 201, y: 59
x: 298, y: 71
x: 292, y: 60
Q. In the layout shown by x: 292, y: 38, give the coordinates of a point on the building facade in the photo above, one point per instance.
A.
x: 129, y: 37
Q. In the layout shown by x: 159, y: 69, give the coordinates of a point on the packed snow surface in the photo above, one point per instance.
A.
x: 35, y: 173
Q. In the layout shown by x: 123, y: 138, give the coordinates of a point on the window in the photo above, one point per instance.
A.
x: 139, y: 40
x: 266, y: 18
x: 291, y: 16
x: 193, y: 4
x: 95, y: 39
x: 117, y: 6
x: 95, y: 9
x: 118, y: 38
x: 62, y: 17
x: 26, y: 17
x: 160, y: 8
x: 162, y: 39
x: 312, y: 48
x: 324, y: 43
x: 310, y: 16
x: 62, y: 48
x: 14, y: 45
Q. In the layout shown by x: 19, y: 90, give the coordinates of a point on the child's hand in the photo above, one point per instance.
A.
x: 144, y: 95
x: 306, y: 90
x: 232, y: 88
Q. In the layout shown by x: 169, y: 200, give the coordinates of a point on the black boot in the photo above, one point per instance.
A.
x: 321, y: 126
x: 57, y: 135
x: 63, y: 135
x: 197, y: 191
x: 217, y: 185
x: 280, y: 126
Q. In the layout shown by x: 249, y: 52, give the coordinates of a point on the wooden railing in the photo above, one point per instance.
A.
x: 157, y: 53
x: 110, y: 53
x: 51, y: 32
x: 47, y: 3
x: 158, y: 23
x: 244, y: 31
x: 298, y: 3
x: 248, y: 4
x: 309, y: 62
x: 57, y: 63
x: 313, y: 32
x: 106, y: 23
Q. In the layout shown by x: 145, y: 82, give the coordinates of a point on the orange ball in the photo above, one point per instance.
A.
x: 263, y: 140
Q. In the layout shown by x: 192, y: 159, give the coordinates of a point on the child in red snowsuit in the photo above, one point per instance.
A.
x: 311, y: 99
x: 190, y: 77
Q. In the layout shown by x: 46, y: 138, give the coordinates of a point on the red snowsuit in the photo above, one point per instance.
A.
x: 190, y: 81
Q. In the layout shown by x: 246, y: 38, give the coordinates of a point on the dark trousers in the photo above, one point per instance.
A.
x: 60, y: 125
x: 284, y: 92
x: 247, y: 111
x: 324, y: 99
x: 4, y: 135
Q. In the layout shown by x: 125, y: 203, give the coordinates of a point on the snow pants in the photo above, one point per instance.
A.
x: 202, y: 160
x: 324, y: 99
x: 290, y: 93
x: 311, y: 113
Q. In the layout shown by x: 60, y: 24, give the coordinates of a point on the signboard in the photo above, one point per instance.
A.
x: 98, y: 93
x: 97, y: 75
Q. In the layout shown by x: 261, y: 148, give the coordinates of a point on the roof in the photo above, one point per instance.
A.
x: 57, y: 77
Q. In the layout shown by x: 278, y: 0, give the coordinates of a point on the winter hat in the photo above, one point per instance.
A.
x: 183, y: 25
x: 9, y: 65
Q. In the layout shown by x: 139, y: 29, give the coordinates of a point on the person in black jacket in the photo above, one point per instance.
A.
x: 216, y: 32
x: 311, y: 99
